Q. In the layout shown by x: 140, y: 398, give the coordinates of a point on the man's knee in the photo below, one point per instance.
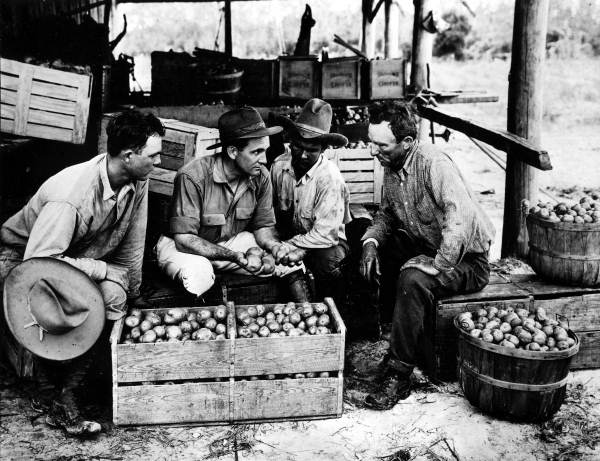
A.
x: 328, y: 263
x: 413, y: 281
x: 115, y: 298
x: 199, y: 277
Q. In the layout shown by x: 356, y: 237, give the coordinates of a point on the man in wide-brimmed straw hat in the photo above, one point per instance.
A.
x: 311, y: 197
x: 93, y: 216
x: 222, y: 206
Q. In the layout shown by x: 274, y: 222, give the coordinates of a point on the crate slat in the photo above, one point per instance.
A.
x: 39, y: 131
x: 589, y: 350
x: 9, y: 82
x: 9, y: 97
x: 361, y: 198
x: 356, y: 165
x: 288, y: 398
x: 360, y: 187
x: 50, y: 119
x: 175, y: 403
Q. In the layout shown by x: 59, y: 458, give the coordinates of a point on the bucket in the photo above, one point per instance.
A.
x: 513, y: 384
x: 567, y: 253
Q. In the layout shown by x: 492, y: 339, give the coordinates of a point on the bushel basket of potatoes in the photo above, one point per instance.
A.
x: 514, y: 363
x: 564, y: 241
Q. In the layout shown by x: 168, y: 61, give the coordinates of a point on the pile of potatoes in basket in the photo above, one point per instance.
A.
x: 517, y: 328
x: 587, y: 210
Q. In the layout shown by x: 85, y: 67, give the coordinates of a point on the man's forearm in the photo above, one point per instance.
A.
x: 267, y: 238
x: 188, y: 243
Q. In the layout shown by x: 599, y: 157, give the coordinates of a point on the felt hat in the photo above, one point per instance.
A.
x: 242, y: 123
x: 314, y: 123
x: 52, y: 308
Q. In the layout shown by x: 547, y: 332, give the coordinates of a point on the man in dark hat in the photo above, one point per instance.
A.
x: 311, y: 197
x: 431, y: 235
x: 93, y: 216
x: 222, y: 206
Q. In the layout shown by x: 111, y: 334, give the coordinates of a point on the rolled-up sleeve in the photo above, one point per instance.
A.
x: 186, y: 206
x: 264, y: 215
x: 329, y: 216
x: 52, y: 234
x: 458, y: 224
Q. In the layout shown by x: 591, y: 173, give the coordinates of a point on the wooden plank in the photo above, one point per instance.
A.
x: 9, y: 82
x: 46, y: 132
x: 115, y: 334
x: 160, y: 174
x: 378, y: 171
x: 173, y: 403
x: 168, y: 162
x: 54, y: 91
x: 42, y: 73
x: 512, y: 144
x: 540, y: 288
x: 361, y: 198
x: 51, y: 119
x: 360, y: 187
x: 582, y: 312
x: 82, y: 110
x: 7, y: 112
x: 300, y: 354
x: 287, y: 398
x: 490, y: 292
x: 22, y: 106
x: 589, y: 350
x: 357, y: 176
x: 172, y: 361
x: 160, y: 187
x: 354, y: 154
x: 356, y: 165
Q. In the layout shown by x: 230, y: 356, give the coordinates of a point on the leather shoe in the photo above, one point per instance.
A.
x: 65, y: 415
x: 393, y: 388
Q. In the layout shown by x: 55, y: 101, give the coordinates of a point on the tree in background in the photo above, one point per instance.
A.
x: 453, y: 41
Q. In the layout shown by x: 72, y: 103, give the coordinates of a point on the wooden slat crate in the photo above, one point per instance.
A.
x: 581, y: 307
x: 298, y: 77
x: 182, y: 142
x: 341, y: 78
x: 362, y: 172
x: 44, y: 103
x: 387, y: 78
x: 204, y: 382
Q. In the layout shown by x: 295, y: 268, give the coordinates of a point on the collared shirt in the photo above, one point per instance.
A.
x: 205, y: 204
x: 76, y: 216
x: 430, y: 201
x: 319, y: 200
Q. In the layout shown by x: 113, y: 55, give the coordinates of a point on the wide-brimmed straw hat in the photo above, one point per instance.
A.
x: 52, y: 308
x: 242, y: 123
x: 314, y: 123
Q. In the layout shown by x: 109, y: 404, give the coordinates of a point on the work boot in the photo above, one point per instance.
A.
x: 393, y: 388
x: 65, y: 414
x: 298, y: 287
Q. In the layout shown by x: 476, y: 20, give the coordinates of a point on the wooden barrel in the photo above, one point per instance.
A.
x: 567, y: 253
x: 513, y: 384
x: 222, y: 84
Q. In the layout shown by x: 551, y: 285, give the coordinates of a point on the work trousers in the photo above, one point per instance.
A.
x: 197, y: 273
x: 415, y: 296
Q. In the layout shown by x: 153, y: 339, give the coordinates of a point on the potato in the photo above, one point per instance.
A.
x: 278, y: 308
x: 268, y: 264
x: 506, y: 343
x: 136, y: 333
x: 270, y: 316
x: 560, y: 334
x: 220, y: 336
x: 135, y: 312
x: 254, y: 251
x: 548, y: 330
x: 539, y: 337
x: 475, y: 333
x: 482, y: 312
x: 260, y: 309
x: 522, y: 312
x: 211, y: 324
x: 321, y: 308
x: 160, y: 331
x: 299, y: 376
x: 312, y: 330
x: 169, y: 319
x: 220, y: 329
x: 246, y: 320
x: 203, y: 315
x: 203, y: 334
x: 525, y: 337
x: 145, y: 326
x: 544, y: 348
x: 178, y: 313
x: 324, y: 374
x: 497, y: 335
x: 295, y: 332
x: 492, y: 311
x: 540, y: 314
x: 252, y: 311
x: 173, y: 331
x: 195, y: 325
x: 479, y: 326
x: 562, y: 345
x: 529, y: 325
x: 505, y: 327
x: 253, y: 263
x: 261, y: 321
x: 517, y: 330
x: 295, y: 318
x: 302, y: 325
x: 279, y: 318
x: 533, y: 347
x: 254, y: 327
x: 307, y: 311
x: 132, y: 321
x: 512, y: 338
x: 243, y: 332
x: 274, y: 326
x: 501, y: 313
x: 154, y: 318
x: 220, y: 313
x: 311, y: 374
x: 311, y: 321
x: 148, y: 337
x: 264, y: 331
x: 323, y: 330
x: 570, y: 341
x: 186, y: 327
x: 487, y: 337
x: 551, y: 342
x: 483, y: 320
x: 492, y: 325
x: 192, y: 317
x: 323, y: 320
x: 186, y: 336
x: 287, y: 327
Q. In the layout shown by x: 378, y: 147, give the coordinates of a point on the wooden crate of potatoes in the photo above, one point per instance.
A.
x: 226, y: 364
x: 44, y: 103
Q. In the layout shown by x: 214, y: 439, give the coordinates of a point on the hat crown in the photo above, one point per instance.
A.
x: 57, y: 306
x: 316, y: 114
x: 239, y: 122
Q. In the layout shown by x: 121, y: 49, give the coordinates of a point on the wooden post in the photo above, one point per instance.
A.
x: 422, y: 50
x: 524, y: 117
x: 228, y: 41
x: 392, y: 29
x: 368, y: 31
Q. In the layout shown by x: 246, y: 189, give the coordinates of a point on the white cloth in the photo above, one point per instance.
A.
x: 197, y: 273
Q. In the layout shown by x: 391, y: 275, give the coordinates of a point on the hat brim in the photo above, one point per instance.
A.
x: 270, y: 131
x: 53, y: 347
x: 332, y: 139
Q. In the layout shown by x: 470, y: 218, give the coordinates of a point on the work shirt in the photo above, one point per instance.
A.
x: 430, y: 201
x: 76, y: 216
x: 319, y: 201
x: 205, y: 204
